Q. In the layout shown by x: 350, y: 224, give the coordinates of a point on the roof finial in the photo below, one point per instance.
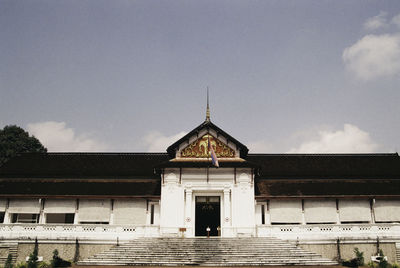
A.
x: 208, y: 109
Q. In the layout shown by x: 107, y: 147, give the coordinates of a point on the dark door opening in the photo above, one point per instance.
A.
x: 208, y: 214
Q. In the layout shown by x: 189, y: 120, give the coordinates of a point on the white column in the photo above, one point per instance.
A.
x: 111, y: 212
x: 337, y: 212
x: 76, y: 217
x: 372, y: 210
x: 7, y: 216
x: 267, y: 213
x: 227, y: 208
x: 188, y: 209
x: 42, y: 219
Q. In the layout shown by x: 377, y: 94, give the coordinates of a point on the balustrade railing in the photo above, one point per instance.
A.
x: 82, y: 231
x: 327, y: 231
x: 100, y: 232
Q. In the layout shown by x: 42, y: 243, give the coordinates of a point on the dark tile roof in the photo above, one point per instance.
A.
x: 204, y: 164
x: 319, y: 166
x: 63, y: 187
x: 143, y: 165
x: 323, y: 188
x: 208, y: 124
x: 78, y: 165
x: 278, y: 174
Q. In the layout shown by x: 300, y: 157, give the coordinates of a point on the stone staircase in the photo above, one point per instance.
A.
x: 207, y: 252
x: 12, y: 249
x: 398, y: 252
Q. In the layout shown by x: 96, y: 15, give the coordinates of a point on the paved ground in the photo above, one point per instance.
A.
x: 293, y: 266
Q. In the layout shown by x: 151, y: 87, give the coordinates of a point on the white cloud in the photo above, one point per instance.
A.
x: 396, y: 20
x: 374, y: 56
x: 260, y: 146
x: 376, y: 22
x: 349, y: 140
x: 157, y: 142
x: 56, y: 137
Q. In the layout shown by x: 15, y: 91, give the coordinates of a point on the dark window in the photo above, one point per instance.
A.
x: 24, y: 218
x: 60, y: 218
x: 152, y: 214
x: 262, y: 214
x: 2, y: 217
x: 94, y: 222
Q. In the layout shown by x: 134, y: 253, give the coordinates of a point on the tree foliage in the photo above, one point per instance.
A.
x: 33, y: 257
x: 14, y: 140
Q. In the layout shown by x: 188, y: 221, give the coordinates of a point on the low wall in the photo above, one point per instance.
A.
x: 330, y: 250
x: 65, y: 250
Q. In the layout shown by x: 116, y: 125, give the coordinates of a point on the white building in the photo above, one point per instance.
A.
x: 99, y: 198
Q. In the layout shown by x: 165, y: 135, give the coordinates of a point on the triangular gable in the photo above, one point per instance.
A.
x: 223, y: 140
x: 199, y: 148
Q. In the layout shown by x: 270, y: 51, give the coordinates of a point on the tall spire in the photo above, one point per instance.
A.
x: 208, y: 109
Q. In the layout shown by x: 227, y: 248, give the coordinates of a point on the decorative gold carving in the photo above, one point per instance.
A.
x: 199, y: 148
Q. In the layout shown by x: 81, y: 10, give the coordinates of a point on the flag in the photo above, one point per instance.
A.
x: 214, y: 158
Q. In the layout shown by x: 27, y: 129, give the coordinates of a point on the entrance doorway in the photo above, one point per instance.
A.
x: 208, y: 214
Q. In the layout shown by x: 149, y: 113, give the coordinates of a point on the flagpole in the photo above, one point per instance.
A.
x: 208, y: 154
x: 208, y: 138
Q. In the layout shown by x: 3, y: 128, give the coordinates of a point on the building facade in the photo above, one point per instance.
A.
x: 101, y: 198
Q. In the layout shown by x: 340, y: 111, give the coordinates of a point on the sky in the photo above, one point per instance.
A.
x: 131, y: 76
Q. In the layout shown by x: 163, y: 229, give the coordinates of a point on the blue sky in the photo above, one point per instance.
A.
x: 125, y: 75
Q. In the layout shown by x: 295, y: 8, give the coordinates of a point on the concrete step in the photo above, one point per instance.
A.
x: 12, y: 249
x: 207, y: 252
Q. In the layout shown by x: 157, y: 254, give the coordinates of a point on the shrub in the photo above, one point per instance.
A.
x: 357, y: 261
x: 371, y: 264
x: 43, y: 264
x: 21, y: 265
x: 395, y: 265
x: 59, y: 262
x: 33, y: 259
x: 359, y: 257
x: 383, y: 263
x: 8, y: 263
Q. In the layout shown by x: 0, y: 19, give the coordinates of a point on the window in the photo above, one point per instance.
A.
x: 262, y: 214
x: 2, y: 217
x: 67, y: 218
x: 94, y: 211
x: 94, y: 222
x: 152, y: 214
x: 25, y: 218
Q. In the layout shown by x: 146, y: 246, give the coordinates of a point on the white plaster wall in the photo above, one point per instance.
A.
x: 132, y: 211
x: 258, y: 213
x: 243, y: 203
x: 157, y: 214
x: 216, y: 176
x: 237, y: 200
x: 172, y: 203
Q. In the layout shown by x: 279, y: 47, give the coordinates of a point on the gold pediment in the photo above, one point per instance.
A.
x: 199, y: 148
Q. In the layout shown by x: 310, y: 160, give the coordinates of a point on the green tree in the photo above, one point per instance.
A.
x: 14, y: 140
x: 33, y: 257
